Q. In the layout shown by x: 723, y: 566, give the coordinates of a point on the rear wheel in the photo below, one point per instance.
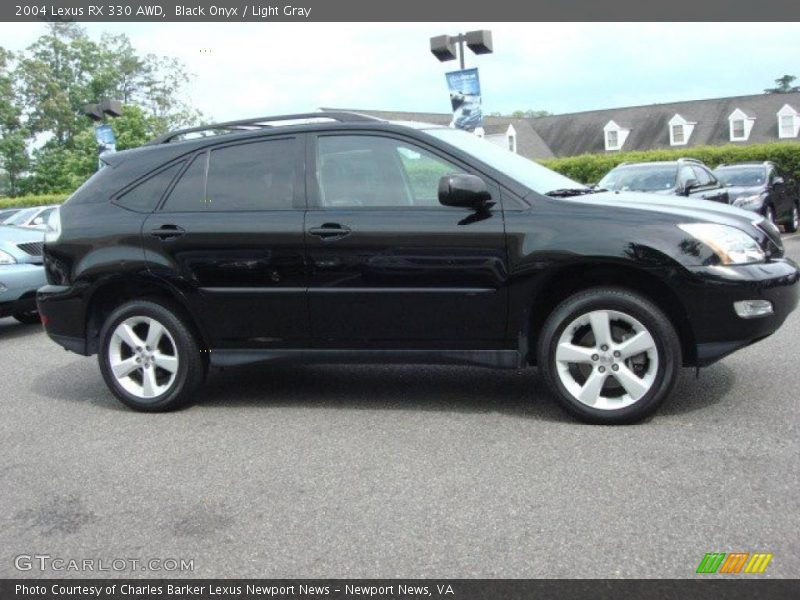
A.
x: 149, y: 358
x: 609, y: 355
x: 29, y: 317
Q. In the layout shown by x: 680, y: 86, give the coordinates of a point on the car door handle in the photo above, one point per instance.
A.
x: 330, y: 231
x: 168, y: 232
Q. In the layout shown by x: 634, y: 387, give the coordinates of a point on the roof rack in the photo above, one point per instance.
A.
x: 264, y: 123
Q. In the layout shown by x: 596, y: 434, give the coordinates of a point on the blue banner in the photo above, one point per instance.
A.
x: 465, y: 98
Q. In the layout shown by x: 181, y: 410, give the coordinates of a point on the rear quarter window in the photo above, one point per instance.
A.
x: 145, y: 196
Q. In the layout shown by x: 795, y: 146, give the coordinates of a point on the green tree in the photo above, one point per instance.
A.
x: 529, y: 114
x: 13, y: 136
x: 783, y: 85
x: 64, y: 70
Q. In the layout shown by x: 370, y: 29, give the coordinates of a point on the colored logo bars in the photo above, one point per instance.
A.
x: 735, y: 562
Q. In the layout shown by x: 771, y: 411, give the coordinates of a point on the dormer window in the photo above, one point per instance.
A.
x: 615, y: 135
x: 788, y: 122
x: 680, y: 130
x: 740, y: 125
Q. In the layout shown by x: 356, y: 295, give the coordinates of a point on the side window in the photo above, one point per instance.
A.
x: 703, y: 177
x: 423, y: 171
x: 244, y: 177
x: 189, y: 193
x: 146, y: 196
x: 377, y: 172
x: 685, y: 174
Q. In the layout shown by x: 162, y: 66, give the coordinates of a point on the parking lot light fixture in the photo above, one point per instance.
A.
x: 444, y: 48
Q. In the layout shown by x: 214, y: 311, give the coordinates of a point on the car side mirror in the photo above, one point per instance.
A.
x: 777, y: 181
x: 689, y: 186
x: 37, y: 221
x: 464, y: 190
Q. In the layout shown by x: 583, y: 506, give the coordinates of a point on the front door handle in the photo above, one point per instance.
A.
x: 168, y: 232
x: 330, y: 231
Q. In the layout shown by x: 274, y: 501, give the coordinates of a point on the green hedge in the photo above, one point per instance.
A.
x: 590, y: 168
x: 6, y: 202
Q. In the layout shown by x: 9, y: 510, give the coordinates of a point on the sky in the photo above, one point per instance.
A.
x: 253, y: 69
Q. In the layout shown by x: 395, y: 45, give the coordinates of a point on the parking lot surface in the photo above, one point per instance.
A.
x: 372, y: 471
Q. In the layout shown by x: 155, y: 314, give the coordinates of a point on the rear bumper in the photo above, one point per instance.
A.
x: 63, y: 316
x: 718, y: 329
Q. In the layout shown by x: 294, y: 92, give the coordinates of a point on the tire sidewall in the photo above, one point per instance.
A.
x: 184, y: 346
x: 645, y: 312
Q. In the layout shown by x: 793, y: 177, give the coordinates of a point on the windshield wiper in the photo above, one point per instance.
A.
x: 566, y: 192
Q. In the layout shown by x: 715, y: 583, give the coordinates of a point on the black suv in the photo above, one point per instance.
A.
x: 763, y: 188
x: 682, y: 177
x: 335, y: 237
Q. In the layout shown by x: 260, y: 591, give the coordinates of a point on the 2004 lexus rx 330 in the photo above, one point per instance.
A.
x: 336, y: 237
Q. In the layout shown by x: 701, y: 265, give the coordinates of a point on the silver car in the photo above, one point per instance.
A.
x: 21, y: 272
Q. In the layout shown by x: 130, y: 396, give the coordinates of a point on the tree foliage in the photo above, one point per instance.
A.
x: 47, y: 142
x: 783, y: 85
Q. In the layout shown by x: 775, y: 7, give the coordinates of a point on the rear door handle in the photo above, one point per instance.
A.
x: 168, y: 232
x: 330, y: 231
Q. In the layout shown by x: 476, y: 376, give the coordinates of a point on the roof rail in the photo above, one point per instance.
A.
x: 264, y: 123
x: 691, y: 160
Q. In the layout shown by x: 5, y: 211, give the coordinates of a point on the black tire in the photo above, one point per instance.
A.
x: 190, y: 371
x: 793, y: 224
x: 620, y: 300
x: 30, y: 317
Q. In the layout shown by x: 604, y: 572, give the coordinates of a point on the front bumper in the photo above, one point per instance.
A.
x: 18, y: 285
x: 717, y: 328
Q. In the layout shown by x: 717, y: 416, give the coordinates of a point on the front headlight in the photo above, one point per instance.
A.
x: 6, y: 258
x: 749, y: 202
x: 733, y: 246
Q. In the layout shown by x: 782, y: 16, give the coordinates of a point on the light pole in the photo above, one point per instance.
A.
x: 104, y: 135
x: 443, y: 47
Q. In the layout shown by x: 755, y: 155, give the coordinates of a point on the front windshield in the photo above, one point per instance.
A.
x: 530, y: 174
x: 21, y: 216
x: 741, y: 176
x: 640, y: 178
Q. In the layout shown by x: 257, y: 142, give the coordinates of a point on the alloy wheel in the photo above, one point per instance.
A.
x: 607, y: 359
x: 143, y: 357
x: 795, y: 218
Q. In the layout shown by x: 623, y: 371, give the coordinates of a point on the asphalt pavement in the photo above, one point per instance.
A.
x: 396, y: 471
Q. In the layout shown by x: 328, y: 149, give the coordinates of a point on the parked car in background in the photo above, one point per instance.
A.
x: 682, y: 177
x: 360, y: 240
x: 35, y: 217
x: 7, y: 214
x: 763, y: 188
x: 21, y: 272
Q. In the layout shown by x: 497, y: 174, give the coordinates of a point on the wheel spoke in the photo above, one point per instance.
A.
x: 571, y: 353
x: 165, y: 361
x: 601, y: 328
x: 126, y: 333
x: 590, y: 392
x: 123, y: 368
x: 641, y: 342
x: 149, y: 384
x: 632, y: 384
x: 154, y: 333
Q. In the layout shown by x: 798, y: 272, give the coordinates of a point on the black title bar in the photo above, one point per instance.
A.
x: 408, y: 10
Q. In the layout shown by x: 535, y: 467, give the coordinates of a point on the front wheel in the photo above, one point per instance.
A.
x: 149, y: 358
x: 609, y: 355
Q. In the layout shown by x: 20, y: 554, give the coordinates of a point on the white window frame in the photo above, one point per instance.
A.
x: 739, y: 116
x: 621, y: 135
x: 787, y: 112
x: 686, y: 127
